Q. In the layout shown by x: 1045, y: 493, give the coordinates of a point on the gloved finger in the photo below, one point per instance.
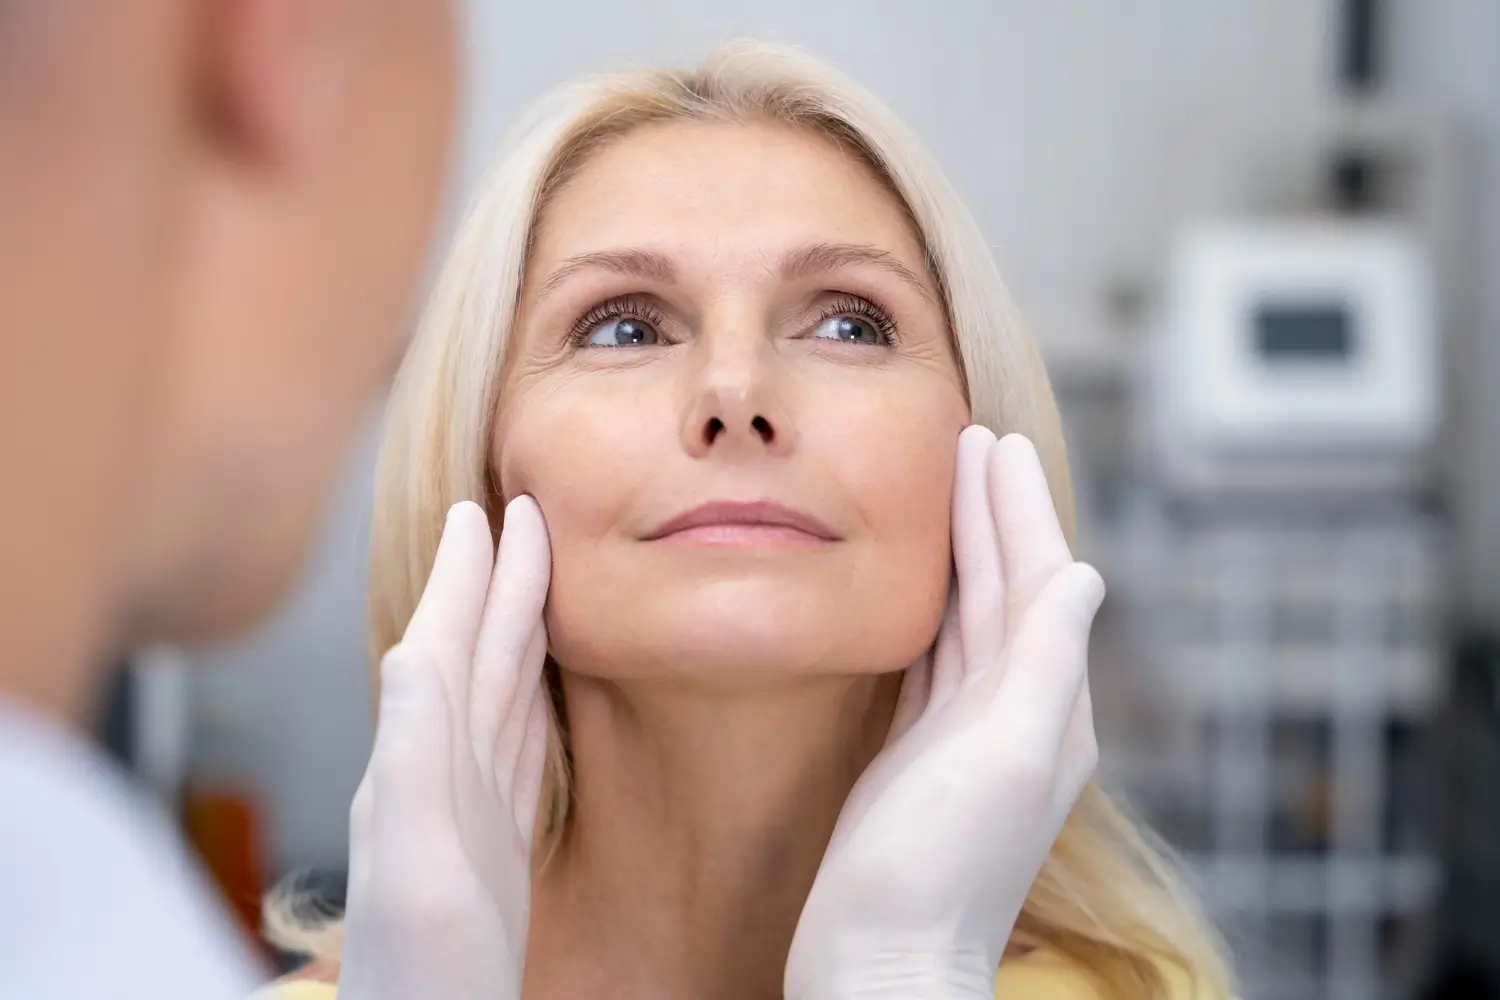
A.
x: 1080, y: 750
x: 531, y: 763
x: 361, y: 827
x: 976, y: 553
x: 446, y: 621
x: 411, y: 762
x: 1032, y: 545
x: 514, y: 607
x: 916, y: 686
x: 506, y: 749
x: 1048, y: 664
x: 948, y: 659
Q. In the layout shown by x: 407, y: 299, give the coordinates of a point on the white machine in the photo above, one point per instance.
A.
x: 1290, y: 609
x: 1296, y: 357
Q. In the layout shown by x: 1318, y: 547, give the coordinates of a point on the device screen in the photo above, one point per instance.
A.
x: 1304, y: 332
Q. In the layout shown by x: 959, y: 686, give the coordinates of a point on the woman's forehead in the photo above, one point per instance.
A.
x: 726, y: 189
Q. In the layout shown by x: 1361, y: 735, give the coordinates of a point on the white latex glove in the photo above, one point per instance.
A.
x: 440, y: 829
x: 941, y: 838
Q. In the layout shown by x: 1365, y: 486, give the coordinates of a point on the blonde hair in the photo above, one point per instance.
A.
x: 1107, y: 898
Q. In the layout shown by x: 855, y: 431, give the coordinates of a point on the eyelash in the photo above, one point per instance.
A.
x: 626, y: 306
x: 855, y: 305
x: 636, y: 307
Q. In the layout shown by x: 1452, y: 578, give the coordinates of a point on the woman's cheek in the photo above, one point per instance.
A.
x: 567, y: 453
x: 514, y: 457
x: 923, y: 446
x: 912, y: 512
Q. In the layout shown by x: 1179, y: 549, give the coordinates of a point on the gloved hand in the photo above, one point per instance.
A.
x: 440, y: 829
x: 941, y: 838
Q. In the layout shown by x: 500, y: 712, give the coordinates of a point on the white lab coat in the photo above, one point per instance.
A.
x: 99, y: 899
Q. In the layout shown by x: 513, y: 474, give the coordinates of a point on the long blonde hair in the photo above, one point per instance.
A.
x: 1107, y: 898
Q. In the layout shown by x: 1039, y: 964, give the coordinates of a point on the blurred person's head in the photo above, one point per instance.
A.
x: 214, y: 215
x: 744, y: 281
x: 92, y: 159
x: 314, y: 166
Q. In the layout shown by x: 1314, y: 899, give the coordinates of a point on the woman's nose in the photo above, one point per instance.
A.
x: 736, y: 407
x: 733, y: 422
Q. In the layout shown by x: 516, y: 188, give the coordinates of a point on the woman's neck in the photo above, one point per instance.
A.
x: 701, y: 813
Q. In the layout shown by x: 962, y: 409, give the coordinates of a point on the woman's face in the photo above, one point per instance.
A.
x: 732, y: 392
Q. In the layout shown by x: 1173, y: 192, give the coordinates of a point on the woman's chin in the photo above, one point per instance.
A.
x: 751, y: 643
x: 756, y: 622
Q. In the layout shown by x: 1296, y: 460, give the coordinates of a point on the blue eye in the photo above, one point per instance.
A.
x: 850, y: 330
x: 622, y: 332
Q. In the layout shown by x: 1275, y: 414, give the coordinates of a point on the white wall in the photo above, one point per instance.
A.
x: 1056, y: 118
x: 1446, y: 54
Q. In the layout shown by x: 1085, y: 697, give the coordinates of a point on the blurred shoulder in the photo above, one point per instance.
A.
x: 1044, y: 975
x: 1038, y: 976
x: 314, y: 981
x: 298, y: 989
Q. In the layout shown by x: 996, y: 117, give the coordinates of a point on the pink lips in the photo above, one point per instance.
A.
x: 730, y: 523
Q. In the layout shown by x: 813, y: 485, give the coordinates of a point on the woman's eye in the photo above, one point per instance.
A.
x: 850, y: 329
x: 622, y: 332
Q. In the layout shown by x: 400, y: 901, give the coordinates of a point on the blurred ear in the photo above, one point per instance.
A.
x: 273, y: 74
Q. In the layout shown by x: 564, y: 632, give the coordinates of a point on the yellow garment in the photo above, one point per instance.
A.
x: 301, y: 991
x: 1038, y: 976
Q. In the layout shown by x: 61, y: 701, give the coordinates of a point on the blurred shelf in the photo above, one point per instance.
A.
x: 1328, y: 886
x: 1214, y: 679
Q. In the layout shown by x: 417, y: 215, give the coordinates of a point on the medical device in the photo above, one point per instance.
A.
x: 1296, y: 357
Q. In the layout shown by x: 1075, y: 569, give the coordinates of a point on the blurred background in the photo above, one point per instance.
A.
x: 1259, y: 242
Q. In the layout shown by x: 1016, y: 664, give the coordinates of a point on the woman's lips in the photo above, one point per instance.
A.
x: 730, y: 524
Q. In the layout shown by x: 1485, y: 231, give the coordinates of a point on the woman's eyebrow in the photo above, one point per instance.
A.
x: 820, y: 258
x: 632, y: 262
x: 816, y: 258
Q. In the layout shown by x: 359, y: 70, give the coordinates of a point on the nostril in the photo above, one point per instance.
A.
x: 712, y: 430
x: 764, y: 429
